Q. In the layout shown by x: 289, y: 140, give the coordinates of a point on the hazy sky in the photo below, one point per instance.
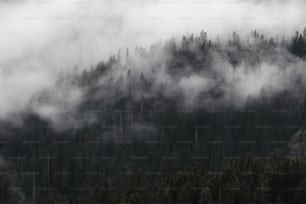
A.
x: 82, y: 31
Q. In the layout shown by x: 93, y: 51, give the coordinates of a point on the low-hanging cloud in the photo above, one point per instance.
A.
x: 41, y: 40
x: 219, y: 82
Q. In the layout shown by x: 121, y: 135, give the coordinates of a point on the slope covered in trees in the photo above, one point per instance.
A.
x: 180, y: 103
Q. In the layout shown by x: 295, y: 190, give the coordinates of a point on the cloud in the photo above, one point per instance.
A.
x: 41, y: 40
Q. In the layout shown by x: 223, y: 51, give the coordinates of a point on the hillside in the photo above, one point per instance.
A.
x: 181, y: 103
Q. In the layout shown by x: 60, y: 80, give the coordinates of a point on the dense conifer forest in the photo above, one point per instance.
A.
x: 190, y: 120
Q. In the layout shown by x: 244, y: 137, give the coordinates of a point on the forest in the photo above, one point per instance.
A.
x: 190, y: 120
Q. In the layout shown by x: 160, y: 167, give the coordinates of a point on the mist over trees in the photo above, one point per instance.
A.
x: 183, y: 102
x: 204, y: 73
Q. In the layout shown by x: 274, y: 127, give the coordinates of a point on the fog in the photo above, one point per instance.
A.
x: 42, y: 40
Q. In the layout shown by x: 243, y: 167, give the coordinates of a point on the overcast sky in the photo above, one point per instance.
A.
x: 82, y: 31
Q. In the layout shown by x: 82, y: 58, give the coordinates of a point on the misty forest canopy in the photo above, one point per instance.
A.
x: 203, y: 73
x: 187, y: 101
